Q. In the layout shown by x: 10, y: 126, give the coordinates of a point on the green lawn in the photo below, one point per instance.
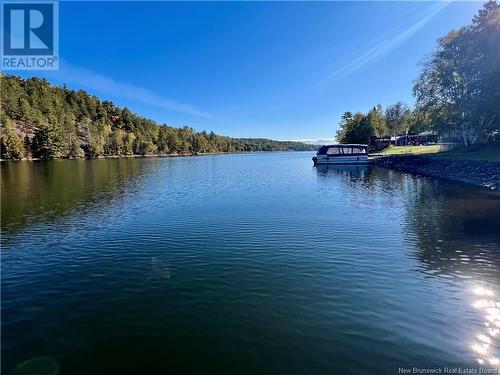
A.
x: 408, y: 150
x: 490, y: 152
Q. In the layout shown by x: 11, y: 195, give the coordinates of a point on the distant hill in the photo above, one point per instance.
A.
x: 41, y: 120
x: 317, y: 142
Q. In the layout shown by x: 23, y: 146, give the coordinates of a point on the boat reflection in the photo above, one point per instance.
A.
x: 350, y: 170
x: 388, y: 180
x: 355, y: 181
x: 365, y: 182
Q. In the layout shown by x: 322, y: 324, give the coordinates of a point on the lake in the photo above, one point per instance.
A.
x: 246, y: 263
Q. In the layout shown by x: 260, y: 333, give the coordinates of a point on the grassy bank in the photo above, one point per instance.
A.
x: 408, y: 150
x: 490, y: 152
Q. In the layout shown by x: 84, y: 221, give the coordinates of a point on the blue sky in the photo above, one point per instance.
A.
x: 250, y: 69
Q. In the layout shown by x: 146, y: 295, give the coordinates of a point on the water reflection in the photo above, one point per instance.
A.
x: 343, y: 170
x: 453, y: 231
x: 349, y: 176
x: 452, y: 227
x: 40, y: 192
x: 486, y: 344
x: 366, y: 180
x: 456, y: 230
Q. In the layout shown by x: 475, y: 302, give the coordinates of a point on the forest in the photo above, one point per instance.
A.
x: 457, y: 93
x: 41, y: 120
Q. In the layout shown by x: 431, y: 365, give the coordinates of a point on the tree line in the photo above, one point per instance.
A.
x: 457, y: 92
x: 41, y: 120
x: 396, y: 119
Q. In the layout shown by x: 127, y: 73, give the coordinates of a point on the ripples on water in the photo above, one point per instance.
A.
x: 245, y: 264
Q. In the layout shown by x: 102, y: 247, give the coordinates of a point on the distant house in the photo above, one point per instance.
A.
x: 405, y: 140
x: 399, y: 140
x: 414, y: 139
x: 379, y: 143
x: 428, y: 137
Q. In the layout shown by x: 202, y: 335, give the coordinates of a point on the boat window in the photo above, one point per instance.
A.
x: 333, y: 151
x: 359, y: 150
x: 345, y: 150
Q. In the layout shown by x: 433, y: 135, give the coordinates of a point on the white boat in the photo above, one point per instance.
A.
x: 341, y: 154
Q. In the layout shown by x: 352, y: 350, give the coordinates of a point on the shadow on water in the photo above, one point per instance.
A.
x: 125, y: 355
x: 154, y: 355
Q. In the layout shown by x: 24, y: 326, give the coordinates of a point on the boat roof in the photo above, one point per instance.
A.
x: 323, y: 149
x: 345, y: 145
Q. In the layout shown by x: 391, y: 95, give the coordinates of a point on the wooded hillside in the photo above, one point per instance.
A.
x: 41, y: 120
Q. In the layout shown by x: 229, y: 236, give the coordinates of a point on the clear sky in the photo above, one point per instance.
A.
x: 251, y: 69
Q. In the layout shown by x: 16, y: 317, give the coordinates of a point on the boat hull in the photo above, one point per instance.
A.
x: 339, y: 160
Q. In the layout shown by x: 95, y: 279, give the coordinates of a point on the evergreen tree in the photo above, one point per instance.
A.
x: 356, y: 128
x: 12, y: 147
x: 49, y: 141
x: 377, y: 121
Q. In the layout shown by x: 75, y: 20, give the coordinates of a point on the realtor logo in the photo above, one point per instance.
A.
x: 30, y: 35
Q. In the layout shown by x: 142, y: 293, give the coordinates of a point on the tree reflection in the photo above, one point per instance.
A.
x: 456, y: 231
x: 455, y: 228
x: 452, y: 231
x: 40, y: 192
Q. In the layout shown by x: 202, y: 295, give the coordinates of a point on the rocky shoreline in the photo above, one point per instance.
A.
x: 476, y: 172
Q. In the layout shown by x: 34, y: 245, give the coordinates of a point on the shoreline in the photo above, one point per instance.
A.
x: 480, y: 173
x: 108, y: 157
x: 149, y: 156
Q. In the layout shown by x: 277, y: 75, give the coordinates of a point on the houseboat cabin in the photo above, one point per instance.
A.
x: 341, y: 154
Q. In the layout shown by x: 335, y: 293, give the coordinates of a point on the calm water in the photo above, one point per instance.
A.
x: 245, y: 264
